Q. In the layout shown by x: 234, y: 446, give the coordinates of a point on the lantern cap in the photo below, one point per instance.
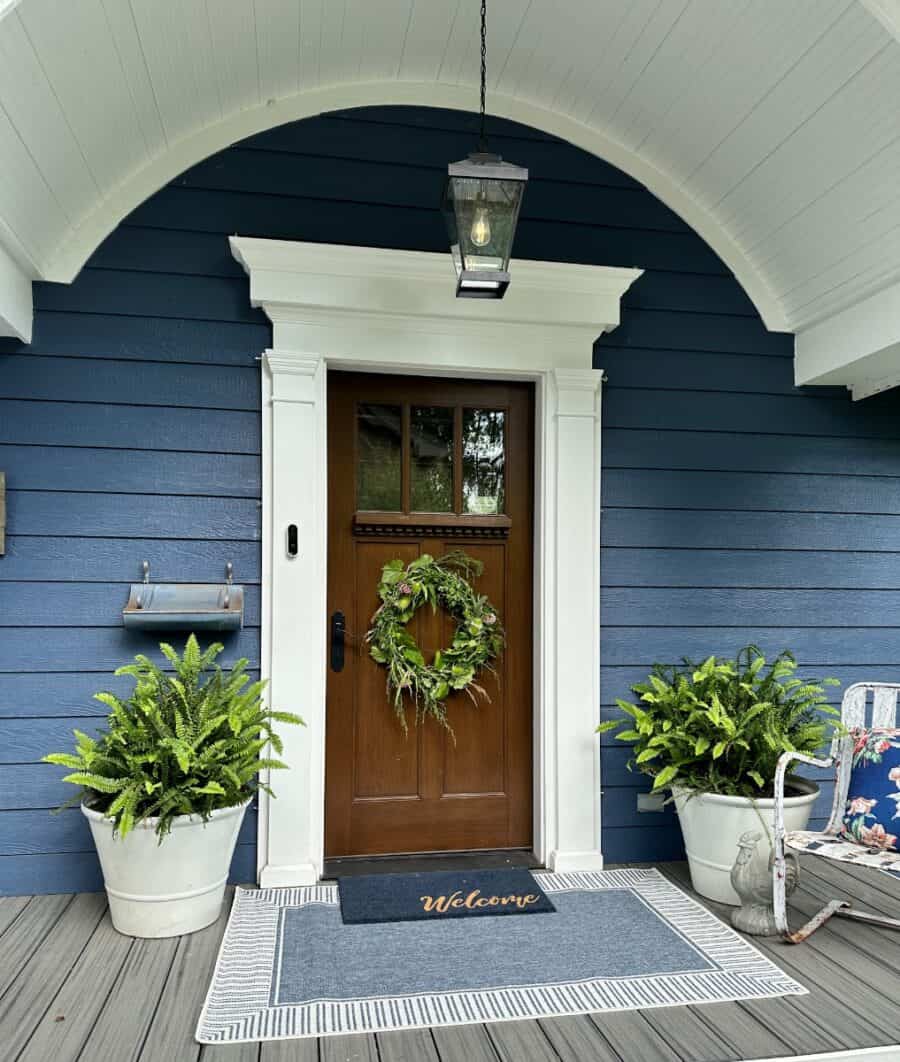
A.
x: 485, y: 166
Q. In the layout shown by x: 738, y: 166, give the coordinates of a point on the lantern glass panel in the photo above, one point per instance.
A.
x: 486, y: 212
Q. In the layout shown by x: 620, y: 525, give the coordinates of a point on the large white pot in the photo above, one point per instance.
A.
x: 712, y: 825
x: 164, y: 890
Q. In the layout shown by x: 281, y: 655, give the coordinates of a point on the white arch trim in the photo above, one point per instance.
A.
x: 96, y: 226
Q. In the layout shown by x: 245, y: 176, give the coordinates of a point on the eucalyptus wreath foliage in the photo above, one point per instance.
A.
x: 720, y: 726
x: 184, y: 743
x: 478, y: 638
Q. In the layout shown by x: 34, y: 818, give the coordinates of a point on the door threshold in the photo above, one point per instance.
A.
x: 418, y: 862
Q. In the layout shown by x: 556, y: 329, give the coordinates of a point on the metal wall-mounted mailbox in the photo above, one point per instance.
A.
x: 184, y: 606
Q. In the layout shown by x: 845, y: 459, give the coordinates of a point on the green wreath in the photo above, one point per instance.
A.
x: 477, y: 641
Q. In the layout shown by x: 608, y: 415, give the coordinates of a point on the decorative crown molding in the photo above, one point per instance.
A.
x: 329, y: 297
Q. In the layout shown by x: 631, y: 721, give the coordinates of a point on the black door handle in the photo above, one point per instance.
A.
x: 338, y: 629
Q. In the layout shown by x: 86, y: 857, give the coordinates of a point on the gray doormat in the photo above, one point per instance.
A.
x: 620, y: 940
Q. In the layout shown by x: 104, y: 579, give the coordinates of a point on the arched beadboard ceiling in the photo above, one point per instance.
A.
x: 772, y: 128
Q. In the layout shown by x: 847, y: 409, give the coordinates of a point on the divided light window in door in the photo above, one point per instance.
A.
x: 430, y: 459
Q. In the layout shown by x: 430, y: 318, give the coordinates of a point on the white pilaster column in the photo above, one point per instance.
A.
x: 294, y: 603
x: 574, y: 824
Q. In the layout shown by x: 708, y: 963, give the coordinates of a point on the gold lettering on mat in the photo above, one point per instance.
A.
x: 443, y: 904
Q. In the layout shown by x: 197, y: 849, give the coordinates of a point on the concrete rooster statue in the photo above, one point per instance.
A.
x: 752, y: 881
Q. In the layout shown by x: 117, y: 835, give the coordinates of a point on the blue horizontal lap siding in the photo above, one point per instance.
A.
x: 729, y: 451
x: 119, y: 471
x: 736, y: 508
x: 100, y: 649
x: 748, y: 529
x: 138, y: 338
x: 38, y: 558
x: 149, y: 384
x: 111, y: 425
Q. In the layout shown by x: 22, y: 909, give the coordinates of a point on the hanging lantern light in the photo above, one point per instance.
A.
x: 481, y: 207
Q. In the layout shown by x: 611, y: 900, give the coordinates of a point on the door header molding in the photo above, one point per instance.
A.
x: 316, y: 294
x: 372, y: 310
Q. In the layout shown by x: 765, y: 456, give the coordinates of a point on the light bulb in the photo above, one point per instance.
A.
x: 480, y: 233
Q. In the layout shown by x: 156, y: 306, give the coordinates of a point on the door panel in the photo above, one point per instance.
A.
x: 386, y: 762
x: 465, y: 450
x: 476, y: 763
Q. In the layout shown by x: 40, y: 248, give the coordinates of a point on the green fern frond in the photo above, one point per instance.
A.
x: 96, y: 782
x: 187, y: 741
x: 64, y: 759
x: 721, y: 725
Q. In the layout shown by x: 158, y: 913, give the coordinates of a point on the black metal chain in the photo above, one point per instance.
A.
x: 482, y: 139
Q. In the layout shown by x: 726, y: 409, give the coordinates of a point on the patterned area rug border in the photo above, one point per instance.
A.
x: 238, y: 1008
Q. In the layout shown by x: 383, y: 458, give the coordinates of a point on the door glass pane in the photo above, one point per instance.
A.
x: 484, y: 460
x: 431, y: 459
x: 379, y: 451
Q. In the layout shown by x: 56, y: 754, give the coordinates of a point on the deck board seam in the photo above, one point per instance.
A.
x: 165, y: 984
x: 659, y: 1027
x: 162, y: 992
x: 37, y: 944
x: 62, y: 984
x: 18, y: 913
x: 500, y: 1054
x: 788, y: 1050
x: 842, y: 874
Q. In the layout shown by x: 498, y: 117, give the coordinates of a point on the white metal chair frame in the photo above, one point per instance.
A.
x: 853, y: 716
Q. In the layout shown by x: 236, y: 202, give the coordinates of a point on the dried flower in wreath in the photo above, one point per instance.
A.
x: 478, y: 639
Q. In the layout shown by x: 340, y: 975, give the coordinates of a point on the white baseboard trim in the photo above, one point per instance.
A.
x: 575, y: 862
x: 285, y: 877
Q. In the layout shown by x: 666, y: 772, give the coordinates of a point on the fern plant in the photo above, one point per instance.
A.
x: 720, y: 726
x: 184, y: 743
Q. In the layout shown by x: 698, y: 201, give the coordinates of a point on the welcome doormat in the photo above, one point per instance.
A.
x: 439, y: 895
x: 620, y: 940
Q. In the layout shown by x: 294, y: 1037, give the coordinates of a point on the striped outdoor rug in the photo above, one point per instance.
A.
x: 620, y: 940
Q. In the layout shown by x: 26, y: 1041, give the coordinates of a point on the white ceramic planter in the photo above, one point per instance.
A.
x: 164, y: 890
x: 712, y: 824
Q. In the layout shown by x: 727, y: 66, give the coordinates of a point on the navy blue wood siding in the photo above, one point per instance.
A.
x: 736, y: 507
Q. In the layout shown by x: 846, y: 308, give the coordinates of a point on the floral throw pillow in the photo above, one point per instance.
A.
x: 872, y: 817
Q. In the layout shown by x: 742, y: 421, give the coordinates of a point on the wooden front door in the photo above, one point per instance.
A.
x: 415, y: 466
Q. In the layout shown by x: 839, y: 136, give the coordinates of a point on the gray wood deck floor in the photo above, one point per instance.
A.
x: 72, y: 988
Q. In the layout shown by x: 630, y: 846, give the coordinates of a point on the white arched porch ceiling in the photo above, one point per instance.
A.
x: 771, y: 128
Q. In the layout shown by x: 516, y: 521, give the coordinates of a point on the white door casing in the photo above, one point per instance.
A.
x: 371, y: 310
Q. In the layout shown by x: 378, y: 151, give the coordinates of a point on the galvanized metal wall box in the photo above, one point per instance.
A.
x: 184, y: 606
